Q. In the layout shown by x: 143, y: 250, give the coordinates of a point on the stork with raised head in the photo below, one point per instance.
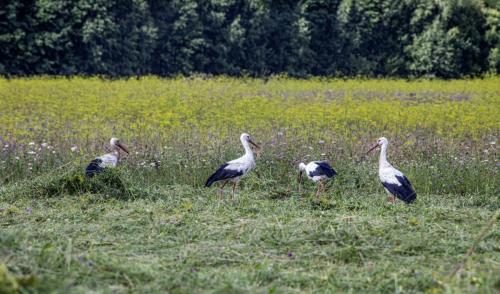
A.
x: 98, y: 165
x: 318, y: 172
x: 234, y: 170
x: 396, y: 184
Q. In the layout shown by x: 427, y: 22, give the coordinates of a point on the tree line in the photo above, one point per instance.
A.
x: 374, y: 38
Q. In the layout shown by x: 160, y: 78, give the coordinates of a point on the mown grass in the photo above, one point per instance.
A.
x: 150, y: 226
x: 188, y: 239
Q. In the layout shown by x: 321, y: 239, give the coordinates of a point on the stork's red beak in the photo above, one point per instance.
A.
x: 299, y: 178
x: 372, y: 148
x: 122, y: 147
x: 251, y: 142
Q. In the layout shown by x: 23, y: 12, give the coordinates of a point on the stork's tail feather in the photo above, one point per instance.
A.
x: 94, y: 168
x: 326, y: 169
x: 222, y: 174
x: 210, y: 181
x: 410, y: 199
x: 215, y: 176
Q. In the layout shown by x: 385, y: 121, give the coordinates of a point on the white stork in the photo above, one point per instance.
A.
x: 234, y: 170
x: 98, y: 165
x: 318, y: 172
x: 394, y: 181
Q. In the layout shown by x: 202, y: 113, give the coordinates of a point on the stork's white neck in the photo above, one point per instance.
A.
x: 116, y: 152
x: 383, y: 157
x: 246, y: 145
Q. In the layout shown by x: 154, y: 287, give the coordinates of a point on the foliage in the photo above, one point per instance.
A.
x: 402, y: 38
x: 493, y: 38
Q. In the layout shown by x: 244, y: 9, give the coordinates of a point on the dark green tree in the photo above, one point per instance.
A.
x: 452, y: 43
x: 325, y: 42
x: 179, y: 47
x: 447, y: 39
x: 118, y: 37
x: 36, y: 37
x: 284, y: 38
x: 492, y: 37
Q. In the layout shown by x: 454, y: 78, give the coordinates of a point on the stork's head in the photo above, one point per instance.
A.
x: 115, y: 143
x: 382, y: 141
x: 245, y: 138
x: 302, y: 168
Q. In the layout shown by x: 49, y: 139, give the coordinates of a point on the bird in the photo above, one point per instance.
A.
x: 234, y: 170
x: 318, y: 172
x: 395, y: 183
x: 98, y: 165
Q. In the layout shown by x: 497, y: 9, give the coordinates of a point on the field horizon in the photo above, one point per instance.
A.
x: 151, y: 226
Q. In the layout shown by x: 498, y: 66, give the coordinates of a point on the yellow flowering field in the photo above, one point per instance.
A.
x: 90, y: 108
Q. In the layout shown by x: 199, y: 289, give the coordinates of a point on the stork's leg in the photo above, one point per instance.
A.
x: 319, y: 188
x: 234, y: 188
x: 391, y: 198
x: 222, y: 188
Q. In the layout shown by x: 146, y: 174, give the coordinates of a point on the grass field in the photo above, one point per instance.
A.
x: 150, y: 226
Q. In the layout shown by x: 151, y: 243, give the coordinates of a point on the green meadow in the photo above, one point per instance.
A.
x: 151, y: 226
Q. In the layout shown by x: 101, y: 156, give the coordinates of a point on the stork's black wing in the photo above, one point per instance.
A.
x: 404, y: 191
x: 323, y: 169
x: 223, y: 173
x: 94, y: 167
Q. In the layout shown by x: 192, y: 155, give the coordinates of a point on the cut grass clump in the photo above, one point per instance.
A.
x: 280, y: 193
x: 10, y: 283
x: 323, y: 203
x: 111, y: 183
